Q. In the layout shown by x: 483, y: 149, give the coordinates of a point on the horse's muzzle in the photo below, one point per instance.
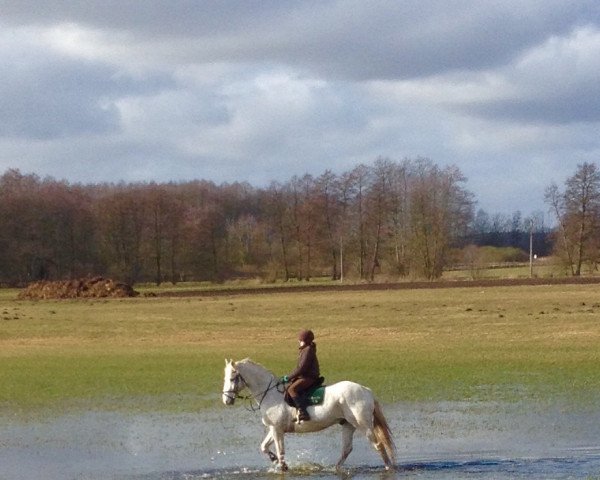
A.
x: 228, y: 399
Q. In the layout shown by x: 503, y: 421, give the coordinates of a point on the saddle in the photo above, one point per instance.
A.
x: 313, y: 396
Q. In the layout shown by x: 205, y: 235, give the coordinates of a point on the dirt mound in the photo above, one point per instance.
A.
x: 97, y: 287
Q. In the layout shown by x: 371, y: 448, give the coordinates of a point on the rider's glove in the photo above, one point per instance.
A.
x: 284, y: 379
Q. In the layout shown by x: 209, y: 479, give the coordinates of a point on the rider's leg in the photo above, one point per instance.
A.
x: 300, y: 403
x: 295, y: 391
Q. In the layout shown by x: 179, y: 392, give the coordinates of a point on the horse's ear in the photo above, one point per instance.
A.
x: 227, y: 362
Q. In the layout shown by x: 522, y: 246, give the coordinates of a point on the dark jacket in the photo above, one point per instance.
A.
x: 308, y: 364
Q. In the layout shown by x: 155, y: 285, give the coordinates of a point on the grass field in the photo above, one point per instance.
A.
x: 501, y: 343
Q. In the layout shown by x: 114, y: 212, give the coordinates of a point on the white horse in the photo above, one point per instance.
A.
x: 346, y: 403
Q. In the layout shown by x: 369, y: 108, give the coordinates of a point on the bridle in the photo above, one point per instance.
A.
x: 233, y: 393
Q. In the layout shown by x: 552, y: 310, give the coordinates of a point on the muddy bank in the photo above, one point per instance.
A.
x: 514, y: 282
x: 437, y: 440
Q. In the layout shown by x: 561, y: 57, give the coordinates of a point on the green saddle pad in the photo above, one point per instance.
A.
x: 316, y: 395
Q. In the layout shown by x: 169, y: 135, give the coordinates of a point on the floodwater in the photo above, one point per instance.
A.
x: 435, y: 441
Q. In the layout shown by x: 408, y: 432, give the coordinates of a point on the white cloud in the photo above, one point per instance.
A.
x: 556, y: 82
x: 262, y: 90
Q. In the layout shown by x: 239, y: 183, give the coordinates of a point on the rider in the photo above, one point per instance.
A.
x: 306, y: 373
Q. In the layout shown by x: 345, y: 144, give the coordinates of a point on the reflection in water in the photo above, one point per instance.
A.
x: 435, y: 441
x: 556, y: 468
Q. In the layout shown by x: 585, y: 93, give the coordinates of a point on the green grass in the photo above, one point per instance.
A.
x: 499, y: 343
x: 541, y: 269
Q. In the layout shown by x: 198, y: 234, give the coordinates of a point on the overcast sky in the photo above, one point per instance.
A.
x: 109, y: 90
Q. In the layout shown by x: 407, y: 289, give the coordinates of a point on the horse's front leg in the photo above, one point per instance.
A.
x: 279, y: 447
x: 267, y: 442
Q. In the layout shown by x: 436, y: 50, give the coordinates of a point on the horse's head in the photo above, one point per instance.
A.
x: 232, y: 384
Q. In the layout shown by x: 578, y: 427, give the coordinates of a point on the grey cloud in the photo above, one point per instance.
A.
x: 576, y: 106
x: 384, y: 39
x: 182, y: 18
x: 416, y: 39
x: 47, y: 101
x: 556, y: 83
x: 45, y: 96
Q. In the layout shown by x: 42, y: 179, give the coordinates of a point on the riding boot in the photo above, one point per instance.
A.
x: 303, y: 415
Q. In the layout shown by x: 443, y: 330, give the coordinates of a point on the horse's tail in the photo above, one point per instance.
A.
x: 383, y: 433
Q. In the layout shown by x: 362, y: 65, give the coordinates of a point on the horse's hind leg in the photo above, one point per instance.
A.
x: 364, y: 423
x: 347, y: 434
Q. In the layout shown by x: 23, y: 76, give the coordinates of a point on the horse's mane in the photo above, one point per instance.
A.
x: 254, y: 366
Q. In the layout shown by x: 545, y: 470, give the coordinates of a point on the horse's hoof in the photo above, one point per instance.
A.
x: 284, y: 467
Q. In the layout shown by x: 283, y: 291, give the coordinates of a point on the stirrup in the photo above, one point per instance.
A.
x: 302, y: 416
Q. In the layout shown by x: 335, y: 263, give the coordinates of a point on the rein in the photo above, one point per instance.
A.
x: 233, y: 393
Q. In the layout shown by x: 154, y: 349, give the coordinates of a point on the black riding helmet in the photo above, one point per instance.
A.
x: 306, y: 336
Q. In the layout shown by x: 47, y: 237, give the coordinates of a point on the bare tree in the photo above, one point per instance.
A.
x: 441, y: 210
x: 556, y: 201
x: 304, y: 215
x: 277, y: 213
x: 400, y: 185
x: 361, y: 177
x: 329, y: 207
x: 379, y: 208
x: 165, y: 226
x: 123, y: 223
x: 577, y: 210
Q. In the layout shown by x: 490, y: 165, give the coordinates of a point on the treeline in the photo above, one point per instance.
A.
x: 400, y: 219
x: 501, y: 230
